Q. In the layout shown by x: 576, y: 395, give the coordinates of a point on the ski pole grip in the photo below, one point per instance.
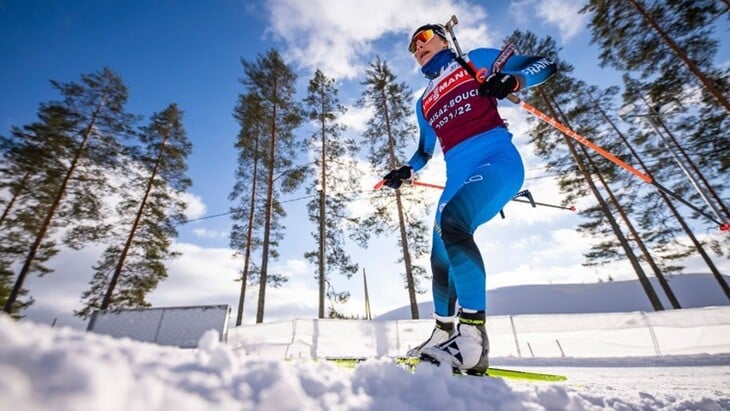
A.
x: 453, y: 21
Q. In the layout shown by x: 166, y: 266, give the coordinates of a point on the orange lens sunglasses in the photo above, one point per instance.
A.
x: 423, y: 36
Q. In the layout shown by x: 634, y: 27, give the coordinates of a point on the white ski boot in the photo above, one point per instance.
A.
x: 467, y: 350
x: 442, y: 331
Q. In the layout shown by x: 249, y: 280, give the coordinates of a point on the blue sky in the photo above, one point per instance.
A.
x: 189, y: 53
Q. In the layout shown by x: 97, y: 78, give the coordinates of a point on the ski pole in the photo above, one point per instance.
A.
x: 380, y: 183
x: 570, y: 133
x: 577, y: 137
x: 449, y: 26
x: 524, y: 193
x: 480, y: 75
x: 502, y: 57
x: 571, y: 208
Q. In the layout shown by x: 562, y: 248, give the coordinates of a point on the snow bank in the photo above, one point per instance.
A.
x: 45, y: 368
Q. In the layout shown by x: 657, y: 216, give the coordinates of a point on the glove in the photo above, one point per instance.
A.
x: 394, y: 179
x: 499, y: 85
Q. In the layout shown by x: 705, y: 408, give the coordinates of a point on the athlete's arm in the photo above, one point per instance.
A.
x: 529, y: 70
x: 426, y: 141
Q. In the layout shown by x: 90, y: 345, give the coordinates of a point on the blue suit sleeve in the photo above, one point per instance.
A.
x: 426, y: 141
x: 530, y: 70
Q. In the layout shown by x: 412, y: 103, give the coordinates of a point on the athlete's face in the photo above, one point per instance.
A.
x: 426, y: 45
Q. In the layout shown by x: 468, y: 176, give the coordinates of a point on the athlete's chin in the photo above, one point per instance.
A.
x: 424, y: 58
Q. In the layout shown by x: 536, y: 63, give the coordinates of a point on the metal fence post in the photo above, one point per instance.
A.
x: 652, y: 334
x: 514, y: 334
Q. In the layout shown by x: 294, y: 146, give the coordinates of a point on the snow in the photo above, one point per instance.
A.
x: 46, y: 368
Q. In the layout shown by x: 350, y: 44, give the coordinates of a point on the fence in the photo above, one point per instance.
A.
x: 633, y: 334
x: 178, y: 326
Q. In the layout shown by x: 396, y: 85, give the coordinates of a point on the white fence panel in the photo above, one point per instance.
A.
x: 178, y: 326
x: 602, y: 335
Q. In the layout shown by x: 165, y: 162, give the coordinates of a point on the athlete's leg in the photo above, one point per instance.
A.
x: 483, y: 195
x: 444, y: 298
x: 444, y: 291
x: 480, y: 198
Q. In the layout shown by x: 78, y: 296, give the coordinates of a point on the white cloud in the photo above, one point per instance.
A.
x: 356, y: 118
x: 195, y: 208
x: 563, y: 14
x: 199, y: 274
x: 208, y: 276
x: 338, y: 37
x: 207, y: 233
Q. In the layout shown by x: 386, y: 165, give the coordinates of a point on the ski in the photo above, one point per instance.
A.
x: 410, y: 364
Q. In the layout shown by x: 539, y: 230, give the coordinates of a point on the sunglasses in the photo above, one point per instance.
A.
x: 423, y: 36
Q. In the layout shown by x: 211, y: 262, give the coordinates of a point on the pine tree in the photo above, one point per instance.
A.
x: 585, y: 174
x: 388, y: 133
x: 247, y: 212
x: 134, y: 264
x: 29, y: 173
x: 336, y: 184
x: 628, y: 201
x: 96, y: 107
x: 674, y: 167
x: 666, y: 40
x: 656, y: 212
x: 670, y: 46
x: 273, y: 81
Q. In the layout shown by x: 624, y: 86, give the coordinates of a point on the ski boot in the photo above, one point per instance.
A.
x: 467, y: 351
x: 442, y: 331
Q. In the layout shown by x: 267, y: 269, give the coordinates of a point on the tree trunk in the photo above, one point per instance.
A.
x: 368, y: 314
x: 698, y: 245
x: 249, y: 236
x: 128, y: 244
x: 17, y: 192
x: 51, y: 212
x: 267, y: 223
x: 401, y: 220
x: 653, y: 298
x: 691, y: 65
x: 407, y: 257
x: 627, y: 221
x: 322, y: 197
x: 693, y: 166
x: 637, y: 238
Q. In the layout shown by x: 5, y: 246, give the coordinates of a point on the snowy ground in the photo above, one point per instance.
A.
x: 45, y: 368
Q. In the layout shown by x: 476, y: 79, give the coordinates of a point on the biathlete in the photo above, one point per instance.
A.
x: 483, y: 172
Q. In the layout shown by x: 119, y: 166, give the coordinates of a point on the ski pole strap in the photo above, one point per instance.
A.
x: 507, y: 52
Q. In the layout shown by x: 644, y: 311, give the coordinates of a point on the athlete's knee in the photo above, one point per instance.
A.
x: 454, y: 231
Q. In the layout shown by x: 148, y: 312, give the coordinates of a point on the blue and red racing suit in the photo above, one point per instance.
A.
x: 483, y: 168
